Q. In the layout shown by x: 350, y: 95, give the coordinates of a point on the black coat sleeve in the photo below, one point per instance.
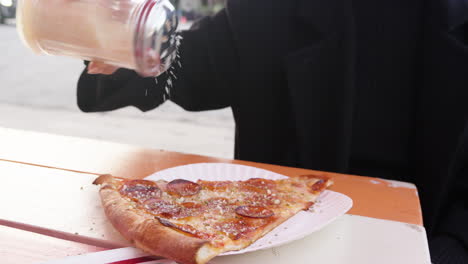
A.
x: 451, y: 243
x: 98, y: 93
x: 200, y: 79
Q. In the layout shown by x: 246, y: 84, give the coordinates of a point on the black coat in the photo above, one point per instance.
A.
x: 377, y: 88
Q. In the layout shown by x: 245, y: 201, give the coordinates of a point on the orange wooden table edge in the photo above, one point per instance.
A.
x: 372, y: 197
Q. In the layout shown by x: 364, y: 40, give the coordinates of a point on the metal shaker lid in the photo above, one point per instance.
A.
x: 155, y: 39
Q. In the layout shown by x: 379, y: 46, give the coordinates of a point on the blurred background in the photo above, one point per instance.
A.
x: 37, y: 93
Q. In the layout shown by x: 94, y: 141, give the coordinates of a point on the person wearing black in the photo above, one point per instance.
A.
x: 374, y: 88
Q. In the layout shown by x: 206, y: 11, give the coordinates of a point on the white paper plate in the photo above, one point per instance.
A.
x: 329, y: 206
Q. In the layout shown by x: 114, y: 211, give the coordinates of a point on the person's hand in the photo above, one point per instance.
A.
x: 96, y: 67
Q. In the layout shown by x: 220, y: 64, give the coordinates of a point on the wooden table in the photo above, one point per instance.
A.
x: 384, y: 225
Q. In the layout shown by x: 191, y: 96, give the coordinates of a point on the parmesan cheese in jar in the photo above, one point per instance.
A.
x: 134, y: 34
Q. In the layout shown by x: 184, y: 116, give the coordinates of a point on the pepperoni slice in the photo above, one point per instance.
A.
x: 161, y: 207
x: 183, y: 187
x: 319, y: 185
x: 167, y: 223
x: 141, y: 190
x: 254, y: 211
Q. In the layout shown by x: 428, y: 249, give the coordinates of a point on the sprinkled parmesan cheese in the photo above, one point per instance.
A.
x: 221, y: 211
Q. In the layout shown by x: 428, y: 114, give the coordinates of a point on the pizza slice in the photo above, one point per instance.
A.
x: 192, y: 222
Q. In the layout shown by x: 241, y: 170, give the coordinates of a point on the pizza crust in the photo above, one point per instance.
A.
x: 147, y: 233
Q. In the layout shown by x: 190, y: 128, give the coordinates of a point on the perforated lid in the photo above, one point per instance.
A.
x: 155, y: 37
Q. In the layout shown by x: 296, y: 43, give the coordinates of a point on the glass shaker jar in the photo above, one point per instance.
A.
x: 134, y: 34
